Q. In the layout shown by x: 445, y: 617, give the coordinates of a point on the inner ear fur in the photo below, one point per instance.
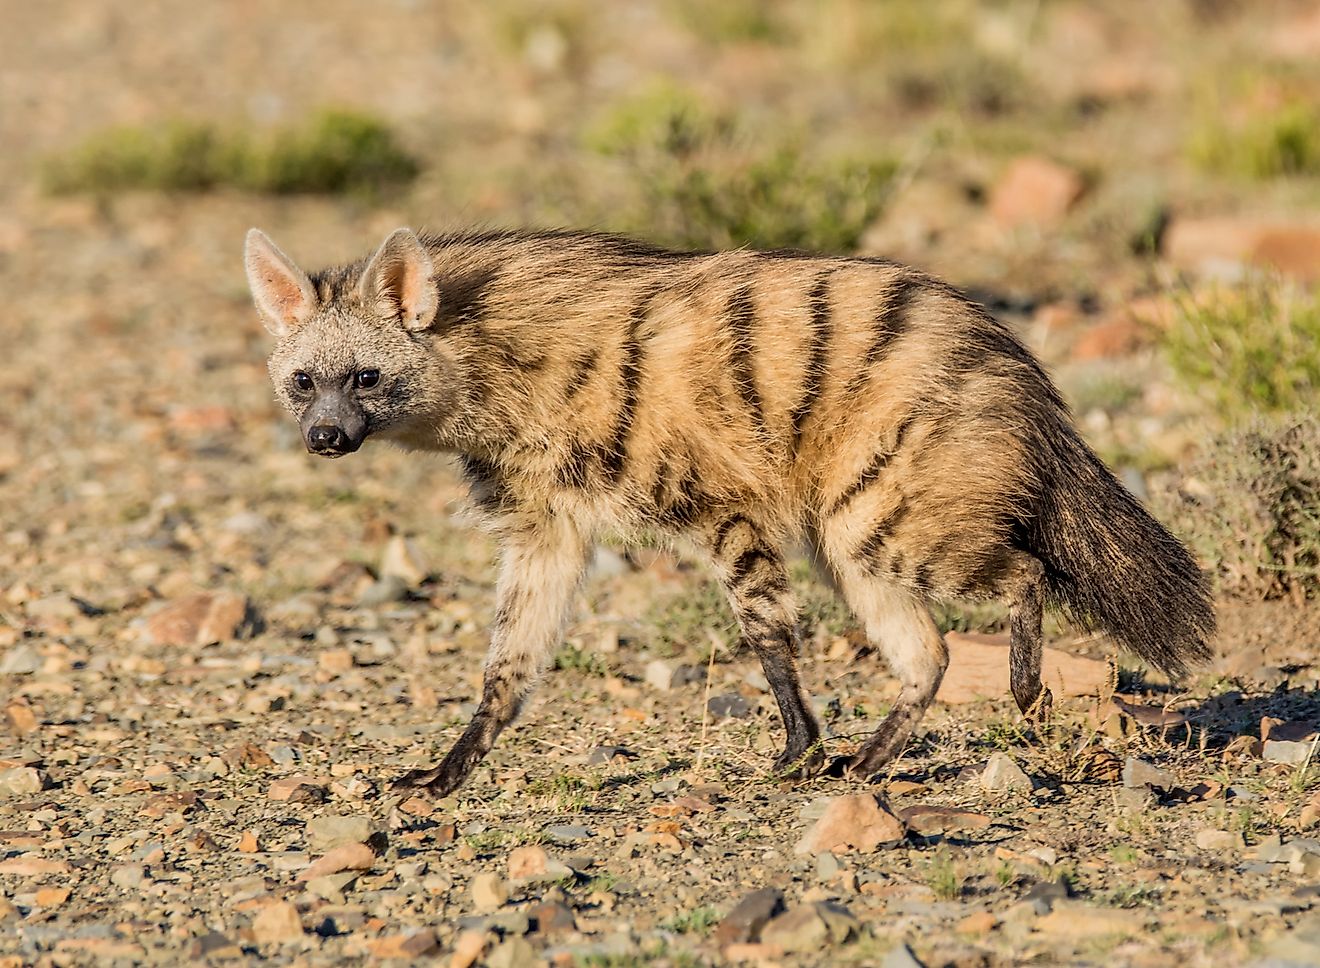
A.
x: 283, y: 294
x: 399, y: 281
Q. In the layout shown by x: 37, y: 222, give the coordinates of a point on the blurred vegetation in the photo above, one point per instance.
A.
x: 1252, y: 507
x: 333, y: 152
x: 1282, y: 142
x: 1252, y: 347
x: 701, y: 183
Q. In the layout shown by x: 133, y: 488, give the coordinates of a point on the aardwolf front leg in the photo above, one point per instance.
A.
x: 541, y: 569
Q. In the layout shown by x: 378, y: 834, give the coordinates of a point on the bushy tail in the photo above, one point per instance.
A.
x: 1109, y: 564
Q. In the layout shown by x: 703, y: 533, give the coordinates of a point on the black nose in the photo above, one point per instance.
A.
x: 325, y: 438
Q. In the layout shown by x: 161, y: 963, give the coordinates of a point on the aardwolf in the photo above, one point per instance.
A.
x: 736, y: 401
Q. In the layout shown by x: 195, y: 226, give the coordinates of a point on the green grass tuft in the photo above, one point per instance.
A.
x: 1285, y: 142
x: 1255, y: 347
x: 334, y: 152
x: 698, y: 183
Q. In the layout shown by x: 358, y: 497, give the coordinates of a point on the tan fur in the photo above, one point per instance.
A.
x: 735, y: 401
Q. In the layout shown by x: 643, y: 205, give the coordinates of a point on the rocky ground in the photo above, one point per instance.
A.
x: 216, y: 652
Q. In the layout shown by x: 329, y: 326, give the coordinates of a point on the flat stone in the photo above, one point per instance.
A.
x: 901, y: 957
x: 1003, y: 775
x: 749, y: 916
x: 798, y: 929
x: 605, y: 755
x: 1076, y: 921
x: 552, y: 917
x: 729, y: 706
x: 277, y: 923
x: 390, y: 588
x: 929, y: 819
x: 407, y: 945
x: 20, y: 781
x: 1218, y: 840
x: 324, y: 833
x: 978, y: 669
x: 858, y: 822
x: 1138, y: 773
x: 513, y: 952
x: 1291, y: 752
x: 489, y: 892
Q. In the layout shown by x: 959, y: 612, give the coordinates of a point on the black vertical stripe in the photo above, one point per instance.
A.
x: 630, y: 376
x: 891, y: 324
x: 871, y: 473
x: 821, y: 335
x: 740, y: 317
x: 583, y: 369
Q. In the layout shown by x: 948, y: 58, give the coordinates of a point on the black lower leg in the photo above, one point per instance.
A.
x: 498, y: 707
x: 802, y: 754
x: 1026, y: 642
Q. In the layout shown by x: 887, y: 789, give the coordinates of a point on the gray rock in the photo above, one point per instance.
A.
x: 1293, y: 753
x: 901, y: 957
x: 685, y: 675
x: 21, y: 660
x: 1138, y: 773
x: 20, y: 781
x: 323, y: 833
x: 489, y: 892
x: 1002, y: 775
x: 514, y: 952
x: 1044, y: 894
x: 659, y: 674
x: 1300, y: 946
x: 797, y: 930
x: 567, y: 833
x: 729, y: 706
x: 604, y: 755
x: 749, y: 916
x: 827, y: 865
x: 390, y: 588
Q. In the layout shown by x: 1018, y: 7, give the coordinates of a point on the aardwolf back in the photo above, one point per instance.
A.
x: 735, y: 402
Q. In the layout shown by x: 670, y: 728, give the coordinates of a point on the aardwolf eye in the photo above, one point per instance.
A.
x: 366, y: 379
x: 303, y: 382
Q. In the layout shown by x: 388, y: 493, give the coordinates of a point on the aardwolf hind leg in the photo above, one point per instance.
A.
x: 1026, y: 643
x: 899, y: 623
x: 541, y: 570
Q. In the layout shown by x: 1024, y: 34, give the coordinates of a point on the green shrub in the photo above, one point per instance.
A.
x: 1253, y: 347
x: 698, y: 183
x: 1285, y: 142
x: 333, y: 152
x: 1251, y: 509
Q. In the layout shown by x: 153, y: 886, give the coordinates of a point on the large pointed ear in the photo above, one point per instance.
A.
x: 283, y: 293
x: 399, y: 281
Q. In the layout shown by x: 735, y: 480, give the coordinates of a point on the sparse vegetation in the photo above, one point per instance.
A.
x: 699, y: 920
x: 1251, y: 507
x: 1254, y: 347
x: 701, y: 182
x: 1282, y: 142
x: 334, y: 152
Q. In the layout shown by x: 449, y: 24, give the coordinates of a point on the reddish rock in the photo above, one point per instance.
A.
x: 978, y: 669
x: 1119, y: 336
x: 297, y: 789
x: 204, y: 419
x: 201, y: 619
x: 858, y: 822
x: 928, y: 819
x: 410, y: 944
x: 1216, y: 245
x: 277, y: 923
x: 529, y: 861
x: 349, y: 857
x: 1035, y: 191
